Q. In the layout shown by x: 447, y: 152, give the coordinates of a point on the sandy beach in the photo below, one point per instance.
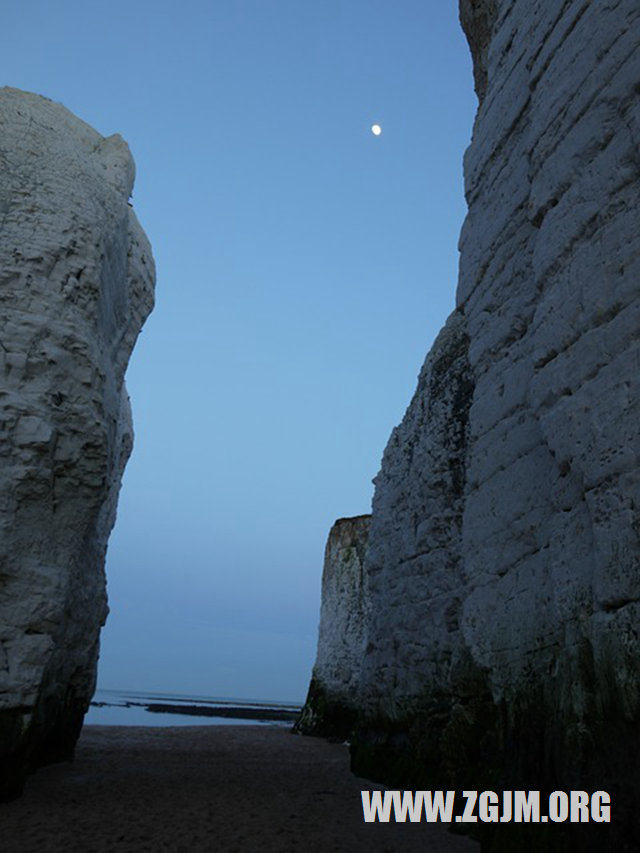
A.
x: 214, y: 788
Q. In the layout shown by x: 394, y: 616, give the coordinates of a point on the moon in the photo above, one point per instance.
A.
x: 376, y: 129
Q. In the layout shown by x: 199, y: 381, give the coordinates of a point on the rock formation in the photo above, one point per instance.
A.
x: 329, y: 709
x: 503, y: 566
x: 76, y: 284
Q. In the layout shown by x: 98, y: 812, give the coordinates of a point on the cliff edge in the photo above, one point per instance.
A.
x: 76, y: 284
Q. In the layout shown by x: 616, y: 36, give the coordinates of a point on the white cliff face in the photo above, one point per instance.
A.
x: 503, y: 567
x: 76, y: 284
x: 330, y: 707
x: 342, y: 614
x: 549, y: 287
x: 414, y: 568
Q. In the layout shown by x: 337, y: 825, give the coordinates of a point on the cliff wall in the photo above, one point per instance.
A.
x: 76, y: 284
x: 331, y: 706
x: 503, y: 579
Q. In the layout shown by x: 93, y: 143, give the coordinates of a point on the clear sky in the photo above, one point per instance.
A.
x: 304, y: 268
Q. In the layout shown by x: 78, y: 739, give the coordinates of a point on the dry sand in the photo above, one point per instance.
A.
x: 213, y: 788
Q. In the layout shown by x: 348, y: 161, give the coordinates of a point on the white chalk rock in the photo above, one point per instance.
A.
x: 331, y: 703
x: 503, y: 567
x: 76, y: 284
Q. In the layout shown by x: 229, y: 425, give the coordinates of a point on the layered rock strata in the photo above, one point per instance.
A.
x: 331, y: 706
x: 76, y: 284
x: 503, y: 570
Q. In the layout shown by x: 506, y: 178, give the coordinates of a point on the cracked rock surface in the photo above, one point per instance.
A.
x: 502, y: 642
x: 76, y: 285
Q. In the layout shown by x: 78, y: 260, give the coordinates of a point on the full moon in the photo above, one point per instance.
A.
x: 376, y: 129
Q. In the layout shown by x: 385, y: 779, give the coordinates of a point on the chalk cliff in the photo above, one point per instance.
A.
x: 503, y: 568
x: 76, y: 284
x: 331, y: 706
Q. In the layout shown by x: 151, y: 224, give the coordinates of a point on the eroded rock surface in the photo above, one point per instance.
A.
x: 503, y: 568
x: 477, y: 18
x: 76, y: 284
x: 332, y: 705
x: 414, y: 567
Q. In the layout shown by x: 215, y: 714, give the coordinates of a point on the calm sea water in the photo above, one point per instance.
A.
x: 128, y: 708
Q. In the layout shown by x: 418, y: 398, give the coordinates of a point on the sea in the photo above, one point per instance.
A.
x: 129, y: 708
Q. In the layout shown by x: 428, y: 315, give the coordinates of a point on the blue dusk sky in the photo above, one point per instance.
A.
x: 304, y: 267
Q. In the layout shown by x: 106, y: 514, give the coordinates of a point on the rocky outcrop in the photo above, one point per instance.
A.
x: 477, y: 18
x: 503, y: 567
x: 331, y: 707
x: 76, y: 284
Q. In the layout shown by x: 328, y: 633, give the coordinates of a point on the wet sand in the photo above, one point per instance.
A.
x: 214, y: 788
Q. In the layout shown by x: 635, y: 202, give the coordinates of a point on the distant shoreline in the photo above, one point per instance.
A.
x: 229, y: 709
x: 233, y: 711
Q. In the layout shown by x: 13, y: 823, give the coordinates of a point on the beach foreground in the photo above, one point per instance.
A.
x: 228, y: 788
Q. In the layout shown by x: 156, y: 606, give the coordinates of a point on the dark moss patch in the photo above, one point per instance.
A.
x: 33, y: 737
x: 468, y: 742
x: 408, y: 755
x: 57, y: 724
x: 13, y: 755
x: 324, y: 715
